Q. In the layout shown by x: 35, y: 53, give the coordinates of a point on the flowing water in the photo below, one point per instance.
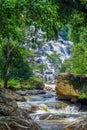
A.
x: 49, y: 112
x: 44, y: 48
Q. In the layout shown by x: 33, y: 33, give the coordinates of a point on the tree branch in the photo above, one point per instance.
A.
x: 74, y: 4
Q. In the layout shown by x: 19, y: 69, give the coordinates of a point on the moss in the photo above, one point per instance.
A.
x: 78, y: 82
x: 82, y: 96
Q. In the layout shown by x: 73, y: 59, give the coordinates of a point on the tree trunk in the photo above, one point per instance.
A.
x: 5, y: 82
x: 7, y: 65
x: 6, y: 73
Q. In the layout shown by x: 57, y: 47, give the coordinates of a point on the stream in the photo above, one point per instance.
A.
x: 49, y: 112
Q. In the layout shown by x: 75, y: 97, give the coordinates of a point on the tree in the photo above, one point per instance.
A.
x: 41, y: 67
x: 13, y: 62
x: 10, y: 33
x: 44, y: 14
x: 49, y: 15
x: 56, y: 62
x: 78, y: 61
x: 15, y: 17
x: 80, y: 5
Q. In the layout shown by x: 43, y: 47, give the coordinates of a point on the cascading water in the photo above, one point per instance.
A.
x: 49, y: 112
x: 43, y: 49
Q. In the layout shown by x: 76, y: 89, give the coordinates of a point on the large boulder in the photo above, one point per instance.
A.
x: 66, y: 87
x: 16, y: 96
x: 11, y: 117
x: 8, y: 105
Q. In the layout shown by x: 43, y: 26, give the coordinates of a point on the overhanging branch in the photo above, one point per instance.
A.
x: 74, y: 4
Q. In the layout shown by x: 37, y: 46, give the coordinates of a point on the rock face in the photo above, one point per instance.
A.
x: 11, y: 117
x: 78, y: 125
x: 12, y: 94
x: 16, y: 123
x: 17, y: 97
x: 8, y: 105
x: 67, y: 85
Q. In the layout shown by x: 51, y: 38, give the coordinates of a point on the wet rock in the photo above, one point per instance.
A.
x: 36, y: 92
x: 53, y: 117
x: 8, y: 105
x: 83, y: 101
x: 16, y: 123
x: 36, y: 98
x: 49, y: 116
x: 80, y: 124
x: 83, y: 107
x: 23, y: 114
x: 43, y: 107
x: 65, y: 88
x: 11, y: 117
x: 27, y: 107
x: 14, y: 95
x: 48, y: 95
x: 33, y: 108
x: 44, y: 116
x: 60, y: 105
x: 48, y: 88
x: 21, y: 92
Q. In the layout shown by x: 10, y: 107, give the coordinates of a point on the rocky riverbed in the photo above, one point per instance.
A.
x: 41, y: 109
x: 50, y: 113
x: 11, y: 116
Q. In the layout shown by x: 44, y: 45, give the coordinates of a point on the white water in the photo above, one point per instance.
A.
x: 45, y: 112
x: 45, y: 48
x: 46, y: 104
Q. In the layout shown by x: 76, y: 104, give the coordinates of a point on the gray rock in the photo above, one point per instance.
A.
x: 80, y: 124
x: 21, y: 92
x: 11, y: 117
x: 13, y: 123
x: 7, y: 104
x: 36, y: 92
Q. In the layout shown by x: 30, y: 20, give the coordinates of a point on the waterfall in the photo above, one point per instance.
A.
x: 45, y: 48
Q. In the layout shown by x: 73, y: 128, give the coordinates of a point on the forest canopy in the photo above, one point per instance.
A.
x: 49, y: 15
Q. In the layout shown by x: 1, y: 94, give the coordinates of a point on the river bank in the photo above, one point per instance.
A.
x: 49, y: 112
x: 39, y: 110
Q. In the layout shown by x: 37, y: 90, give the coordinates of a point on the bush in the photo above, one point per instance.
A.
x: 84, y: 95
x: 35, y: 79
x: 28, y: 86
x: 32, y: 83
x: 37, y: 82
x: 13, y: 84
x: 1, y: 82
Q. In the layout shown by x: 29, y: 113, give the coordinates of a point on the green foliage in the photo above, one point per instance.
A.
x: 13, y: 62
x: 77, y: 26
x: 20, y: 68
x: 29, y: 86
x: 56, y: 62
x: 44, y: 14
x: 15, y: 84
x: 41, y: 67
x: 10, y: 17
x: 78, y: 61
x: 82, y: 96
x: 35, y: 79
x: 12, y: 83
x: 1, y: 82
x: 64, y: 33
x: 50, y: 16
